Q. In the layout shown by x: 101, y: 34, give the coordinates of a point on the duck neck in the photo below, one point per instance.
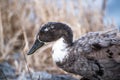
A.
x: 67, y: 35
x: 61, y: 46
x: 60, y: 50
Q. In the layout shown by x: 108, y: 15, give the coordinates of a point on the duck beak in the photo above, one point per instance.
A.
x: 37, y: 44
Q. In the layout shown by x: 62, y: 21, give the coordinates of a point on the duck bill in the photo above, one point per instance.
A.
x: 37, y: 44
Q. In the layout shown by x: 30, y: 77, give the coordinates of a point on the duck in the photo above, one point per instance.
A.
x: 94, y: 56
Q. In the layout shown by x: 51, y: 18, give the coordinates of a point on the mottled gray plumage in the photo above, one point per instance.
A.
x: 95, y: 56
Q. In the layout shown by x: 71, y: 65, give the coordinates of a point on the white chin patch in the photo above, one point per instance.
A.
x: 59, y: 50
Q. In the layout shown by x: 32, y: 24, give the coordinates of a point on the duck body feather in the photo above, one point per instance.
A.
x: 96, y: 56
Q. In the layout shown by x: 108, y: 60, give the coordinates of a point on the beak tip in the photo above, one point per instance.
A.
x: 35, y: 46
x: 29, y: 53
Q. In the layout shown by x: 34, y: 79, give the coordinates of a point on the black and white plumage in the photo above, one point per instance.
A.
x: 95, y: 56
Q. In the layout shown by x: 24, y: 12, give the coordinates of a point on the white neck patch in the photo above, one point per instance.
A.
x: 59, y: 50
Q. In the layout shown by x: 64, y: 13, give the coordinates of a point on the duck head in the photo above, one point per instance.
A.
x: 49, y: 32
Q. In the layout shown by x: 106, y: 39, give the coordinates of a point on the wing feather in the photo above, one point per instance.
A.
x: 100, y: 45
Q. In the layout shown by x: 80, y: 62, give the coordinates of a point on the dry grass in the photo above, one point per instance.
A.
x: 20, y: 20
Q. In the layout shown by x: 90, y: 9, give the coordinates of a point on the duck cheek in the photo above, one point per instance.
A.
x: 49, y: 38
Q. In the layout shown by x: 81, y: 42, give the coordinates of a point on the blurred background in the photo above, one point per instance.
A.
x: 20, y: 21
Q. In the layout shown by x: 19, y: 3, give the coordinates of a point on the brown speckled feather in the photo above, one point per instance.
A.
x: 96, y: 56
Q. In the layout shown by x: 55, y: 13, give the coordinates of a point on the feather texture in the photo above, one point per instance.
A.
x: 95, y: 56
